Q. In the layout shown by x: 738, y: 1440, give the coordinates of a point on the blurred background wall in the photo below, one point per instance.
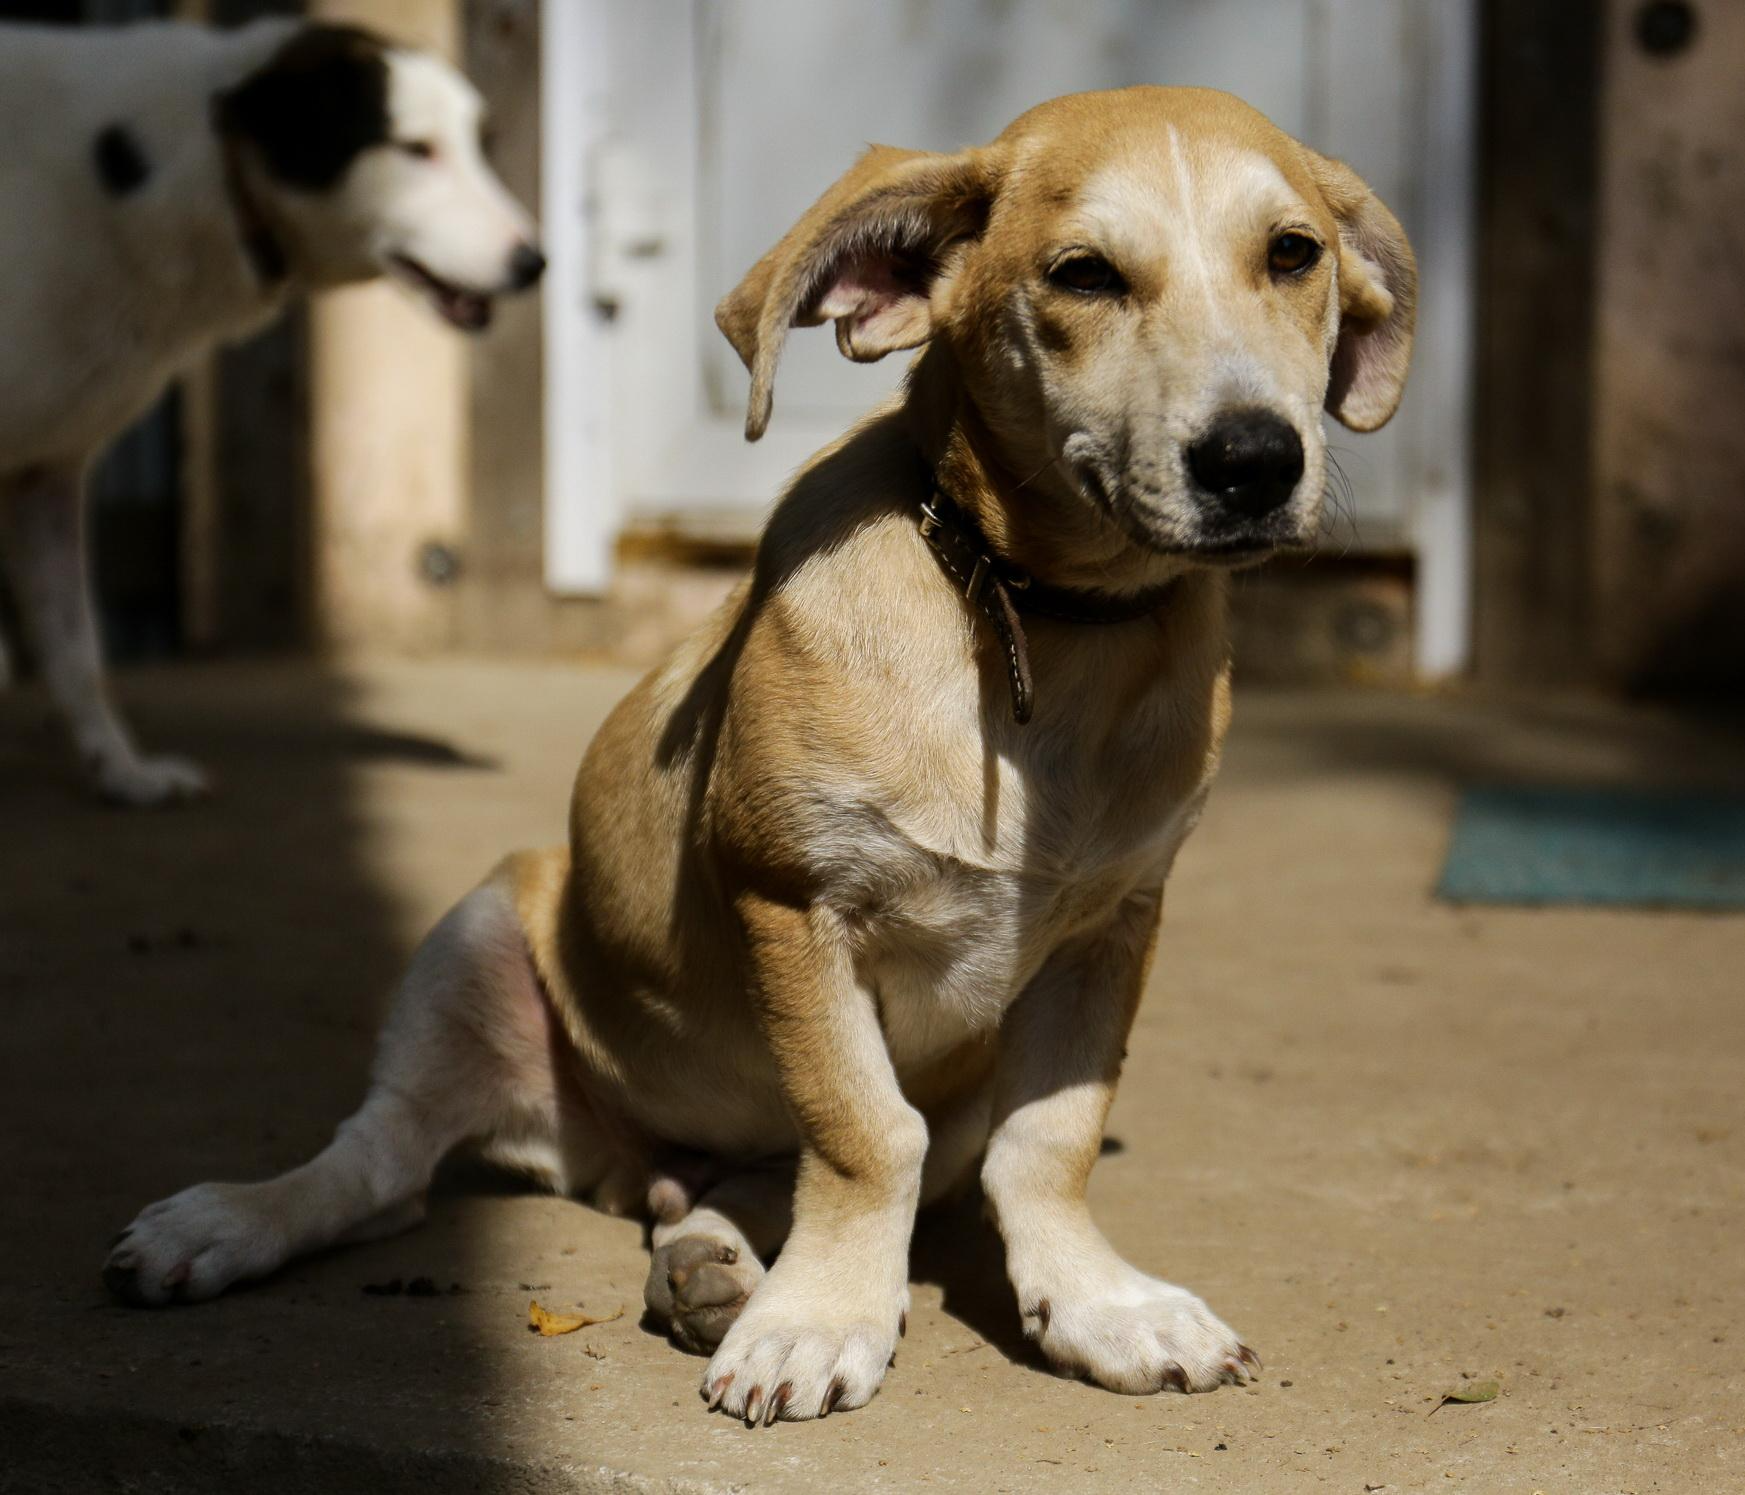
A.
x: 1561, y: 502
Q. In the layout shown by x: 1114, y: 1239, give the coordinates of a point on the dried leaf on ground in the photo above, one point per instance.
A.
x: 547, y: 1324
x: 1477, y: 1391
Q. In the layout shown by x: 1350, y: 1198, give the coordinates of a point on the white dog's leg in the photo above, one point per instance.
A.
x: 42, y: 541
x: 467, y: 1052
x: 709, y: 1256
x: 1093, y: 1315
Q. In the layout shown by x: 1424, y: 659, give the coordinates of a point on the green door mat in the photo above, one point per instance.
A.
x: 1619, y: 847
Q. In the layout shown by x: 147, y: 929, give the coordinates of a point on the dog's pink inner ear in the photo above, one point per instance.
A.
x: 878, y: 304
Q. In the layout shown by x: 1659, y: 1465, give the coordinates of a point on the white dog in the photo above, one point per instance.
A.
x: 165, y: 187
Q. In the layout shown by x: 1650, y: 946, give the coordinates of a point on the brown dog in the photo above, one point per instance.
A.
x: 868, y: 874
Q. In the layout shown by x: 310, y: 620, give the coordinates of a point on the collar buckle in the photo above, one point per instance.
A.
x: 981, y: 567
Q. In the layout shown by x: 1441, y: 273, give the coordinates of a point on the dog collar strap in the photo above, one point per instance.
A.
x: 260, y: 246
x: 1000, y: 592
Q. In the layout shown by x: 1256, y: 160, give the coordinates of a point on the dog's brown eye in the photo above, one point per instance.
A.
x: 1292, y: 254
x: 419, y: 150
x: 1089, y: 275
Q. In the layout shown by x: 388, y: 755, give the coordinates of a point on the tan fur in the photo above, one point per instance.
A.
x: 823, y: 899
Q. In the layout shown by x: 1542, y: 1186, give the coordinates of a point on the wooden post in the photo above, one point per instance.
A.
x: 388, y: 426
x: 1537, y: 238
x: 1668, y: 540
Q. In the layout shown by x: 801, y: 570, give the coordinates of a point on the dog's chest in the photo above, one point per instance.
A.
x: 968, y: 917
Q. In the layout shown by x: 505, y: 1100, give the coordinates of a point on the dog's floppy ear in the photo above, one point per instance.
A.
x: 864, y: 256
x: 1378, y: 300
x: 319, y: 101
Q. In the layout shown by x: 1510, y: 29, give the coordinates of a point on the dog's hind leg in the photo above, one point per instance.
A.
x: 709, y: 1255
x: 712, y: 1246
x: 469, y: 1051
x: 42, y: 540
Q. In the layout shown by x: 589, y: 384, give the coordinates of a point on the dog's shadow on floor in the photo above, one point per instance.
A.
x: 957, y: 1249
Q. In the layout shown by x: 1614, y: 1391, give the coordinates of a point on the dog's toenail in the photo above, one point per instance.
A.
x: 831, y: 1396
x: 777, y: 1402
x: 902, y: 1325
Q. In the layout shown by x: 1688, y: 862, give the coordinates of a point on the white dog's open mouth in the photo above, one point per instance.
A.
x: 467, y: 310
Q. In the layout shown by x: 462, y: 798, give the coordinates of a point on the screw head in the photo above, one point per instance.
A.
x: 1664, y: 28
x: 438, y: 564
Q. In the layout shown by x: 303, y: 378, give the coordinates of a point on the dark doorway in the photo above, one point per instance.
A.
x: 61, y: 12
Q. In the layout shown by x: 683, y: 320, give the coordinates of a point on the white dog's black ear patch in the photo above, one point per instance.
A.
x: 122, y: 164
x: 321, y: 100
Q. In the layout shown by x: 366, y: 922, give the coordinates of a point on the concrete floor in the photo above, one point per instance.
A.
x: 1398, y: 1145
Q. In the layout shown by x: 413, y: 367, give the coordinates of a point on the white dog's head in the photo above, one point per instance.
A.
x: 367, y: 159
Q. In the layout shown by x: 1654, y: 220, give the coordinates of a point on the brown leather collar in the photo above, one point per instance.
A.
x: 1000, y: 592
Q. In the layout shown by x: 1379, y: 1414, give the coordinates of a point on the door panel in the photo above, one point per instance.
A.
x: 795, y: 93
x: 713, y: 125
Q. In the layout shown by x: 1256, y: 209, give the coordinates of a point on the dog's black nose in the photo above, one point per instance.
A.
x: 1248, y: 460
x: 526, y: 265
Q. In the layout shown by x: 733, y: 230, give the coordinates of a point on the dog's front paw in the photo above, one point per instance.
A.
x: 794, y: 1355
x: 192, y: 1246
x: 147, y: 783
x: 1135, y: 1334
x: 697, y: 1286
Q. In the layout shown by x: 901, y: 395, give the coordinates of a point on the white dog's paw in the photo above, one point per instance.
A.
x: 192, y: 1246
x: 792, y: 1355
x: 1136, y: 1335
x: 697, y: 1286
x: 147, y: 783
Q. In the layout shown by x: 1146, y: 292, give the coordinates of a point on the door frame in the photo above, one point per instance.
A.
x: 583, y: 512
x: 582, y: 532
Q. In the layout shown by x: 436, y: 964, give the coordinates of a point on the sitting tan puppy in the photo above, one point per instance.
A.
x: 867, y: 875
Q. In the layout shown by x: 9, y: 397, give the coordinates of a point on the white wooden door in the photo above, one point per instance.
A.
x: 683, y: 137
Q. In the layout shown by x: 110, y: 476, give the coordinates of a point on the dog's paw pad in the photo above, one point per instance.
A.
x: 697, y: 1285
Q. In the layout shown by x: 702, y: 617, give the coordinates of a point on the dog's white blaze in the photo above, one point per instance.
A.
x: 1189, y: 213
x: 1198, y: 214
x: 1193, y: 259
x: 425, y: 95
x: 449, y: 212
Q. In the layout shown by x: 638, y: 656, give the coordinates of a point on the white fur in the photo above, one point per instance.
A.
x: 435, y: 1085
